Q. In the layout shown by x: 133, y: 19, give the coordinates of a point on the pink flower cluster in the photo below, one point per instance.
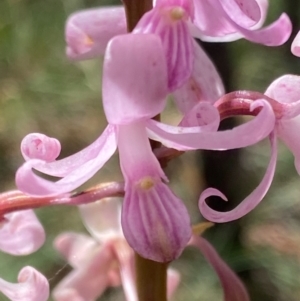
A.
x: 159, y: 57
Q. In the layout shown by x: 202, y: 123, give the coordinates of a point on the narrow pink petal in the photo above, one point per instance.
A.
x: 182, y: 138
x: 76, y: 248
x: 39, y: 146
x: 88, y: 282
x: 63, y: 167
x: 173, y: 280
x: 32, y: 286
x: 295, y: 48
x: 21, y: 233
x: 140, y: 92
x: 275, y: 34
x: 102, y: 218
x: 203, y: 114
x: 204, y: 84
x: 88, y: 32
x: 246, y: 13
x: 234, y: 290
x: 176, y: 39
x: 28, y: 182
x: 125, y: 257
x: 250, y: 202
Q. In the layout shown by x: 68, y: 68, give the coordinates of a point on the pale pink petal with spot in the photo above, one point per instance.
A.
x: 88, y: 32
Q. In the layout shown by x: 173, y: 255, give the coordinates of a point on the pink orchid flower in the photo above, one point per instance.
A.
x: 32, y: 286
x: 284, y: 96
x: 100, y: 261
x: 21, y: 233
x: 105, y: 259
x: 177, y: 22
x: 130, y: 100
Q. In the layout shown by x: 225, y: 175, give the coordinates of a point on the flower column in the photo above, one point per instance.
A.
x: 151, y: 276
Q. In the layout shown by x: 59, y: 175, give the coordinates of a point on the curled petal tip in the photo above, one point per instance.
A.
x: 21, y: 233
x: 39, y: 146
x: 32, y: 286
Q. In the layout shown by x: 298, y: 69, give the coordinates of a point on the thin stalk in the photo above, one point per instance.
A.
x: 151, y: 275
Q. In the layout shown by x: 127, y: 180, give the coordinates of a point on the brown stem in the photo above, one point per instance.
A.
x: 135, y: 9
x: 151, y: 279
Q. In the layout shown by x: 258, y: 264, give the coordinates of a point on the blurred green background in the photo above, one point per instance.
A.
x: 41, y: 91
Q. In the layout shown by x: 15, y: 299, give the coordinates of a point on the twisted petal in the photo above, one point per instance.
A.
x: 182, y: 138
x: 63, y: 167
x: 140, y: 92
x: 21, y: 233
x: 102, y: 218
x: 88, y: 32
x: 28, y: 182
x: 89, y: 281
x: 168, y: 21
x: 204, y: 84
x: 295, y: 48
x: 250, y: 202
x: 32, y: 286
x: 39, y: 146
x: 234, y: 289
x: 76, y: 248
x: 231, y: 24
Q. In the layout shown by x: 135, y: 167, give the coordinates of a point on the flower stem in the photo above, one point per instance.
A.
x: 151, y: 276
x: 151, y: 279
x: 135, y: 9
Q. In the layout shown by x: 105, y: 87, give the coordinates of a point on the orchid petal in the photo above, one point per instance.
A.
x: 295, y: 48
x: 148, y: 201
x: 204, y: 115
x: 89, y: 31
x: 125, y: 257
x: 286, y: 90
x: 21, y: 233
x: 204, y: 84
x: 173, y: 279
x: 102, y: 218
x: 250, y: 202
x: 140, y: 92
x: 277, y: 33
x: 182, y: 138
x: 176, y: 40
x: 32, y: 286
x: 32, y: 184
x: 39, y: 146
x: 63, y: 167
x: 76, y: 248
x: 155, y: 222
x: 234, y: 290
x: 88, y: 282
